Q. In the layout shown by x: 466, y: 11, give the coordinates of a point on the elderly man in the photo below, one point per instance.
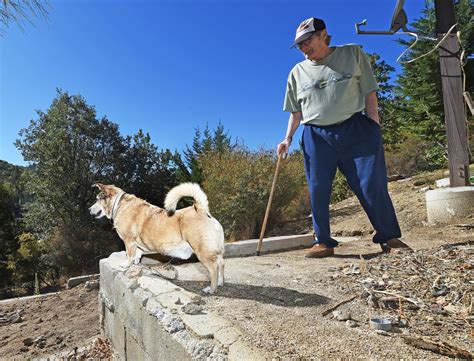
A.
x: 328, y: 92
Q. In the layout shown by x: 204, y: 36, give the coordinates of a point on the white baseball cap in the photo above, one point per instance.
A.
x: 307, y: 28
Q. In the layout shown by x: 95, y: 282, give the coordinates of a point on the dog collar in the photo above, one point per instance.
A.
x: 116, y: 203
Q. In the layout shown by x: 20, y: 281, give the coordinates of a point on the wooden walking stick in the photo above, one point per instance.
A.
x: 269, y: 205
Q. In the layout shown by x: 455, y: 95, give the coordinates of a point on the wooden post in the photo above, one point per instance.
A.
x: 451, y: 80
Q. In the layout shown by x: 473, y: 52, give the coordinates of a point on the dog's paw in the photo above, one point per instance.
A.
x: 208, y: 290
x: 125, y: 264
x: 138, y: 256
x: 220, y: 283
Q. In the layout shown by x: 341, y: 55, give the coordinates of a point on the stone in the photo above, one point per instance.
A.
x: 92, y: 285
x: 341, y: 315
x: 351, y: 323
x: 192, y: 309
x: 28, y: 341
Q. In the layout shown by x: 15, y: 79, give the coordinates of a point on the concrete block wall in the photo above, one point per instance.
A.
x: 143, y: 317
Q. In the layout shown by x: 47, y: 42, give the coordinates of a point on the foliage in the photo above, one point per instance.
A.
x: 147, y: 172
x: 387, y: 101
x: 28, y: 260
x: 70, y: 149
x: 410, y: 158
x: 8, y: 230
x: 238, y: 184
x: 19, y: 11
x: 203, y: 143
x: 420, y: 102
x: 340, y: 188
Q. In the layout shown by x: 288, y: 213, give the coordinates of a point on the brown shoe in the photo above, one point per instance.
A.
x: 394, y: 245
x: 319, y: 250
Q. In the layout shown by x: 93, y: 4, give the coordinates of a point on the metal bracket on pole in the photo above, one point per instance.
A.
x: 399, y: 21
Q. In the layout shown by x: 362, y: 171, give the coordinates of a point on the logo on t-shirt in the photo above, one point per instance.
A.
x: 321, y: 84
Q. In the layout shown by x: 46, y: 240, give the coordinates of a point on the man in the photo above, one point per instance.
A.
x: 327, y: 93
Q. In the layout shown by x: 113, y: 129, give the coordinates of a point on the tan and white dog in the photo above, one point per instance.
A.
x: 145, y: 228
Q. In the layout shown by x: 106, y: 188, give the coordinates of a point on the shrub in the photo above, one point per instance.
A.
x: 340, y: 188
x: 238, y: 184
x: 414, y: 156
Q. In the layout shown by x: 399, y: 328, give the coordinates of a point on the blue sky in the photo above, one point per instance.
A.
x: 168, y: 67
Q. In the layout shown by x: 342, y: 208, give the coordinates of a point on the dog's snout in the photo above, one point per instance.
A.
x: 96, y: 211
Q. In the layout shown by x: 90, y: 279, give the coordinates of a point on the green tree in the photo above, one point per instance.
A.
x: 419, y: 88
x: 203, y: 143
x: 69, y: 149
x: 8, y: 231
x: 27, y: 260
x: 388, y: 102
x: 147, y: 172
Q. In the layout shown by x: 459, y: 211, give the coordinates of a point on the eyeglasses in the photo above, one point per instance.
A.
x: 306, y: 42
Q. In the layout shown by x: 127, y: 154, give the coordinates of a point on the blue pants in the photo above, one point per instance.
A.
x: 355, y: 147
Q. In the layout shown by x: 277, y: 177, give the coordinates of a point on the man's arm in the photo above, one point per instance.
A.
x: 371, y: 106
x: 293, y: 123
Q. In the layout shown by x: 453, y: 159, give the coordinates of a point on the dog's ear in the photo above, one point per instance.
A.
x: 98, y: 185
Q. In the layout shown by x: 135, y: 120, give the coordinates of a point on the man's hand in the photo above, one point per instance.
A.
x: 284, y: 147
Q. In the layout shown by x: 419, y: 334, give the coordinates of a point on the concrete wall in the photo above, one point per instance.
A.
x: 146, y: 317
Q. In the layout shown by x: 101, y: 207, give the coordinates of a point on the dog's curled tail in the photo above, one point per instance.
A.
x: 186, y: 190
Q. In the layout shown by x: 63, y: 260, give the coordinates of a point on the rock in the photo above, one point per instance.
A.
x: 24, y: 349
x: 351, y: 323
x: 351, y: 270
x: 402, y: 323
x: 341, y: 315
x: 73, y: 282
x: 192, y: 309
x: 92, y: 285
x: 395, y: 177
x: 28, y: 341
x: 419, y: 182
x: 424, y: 189
x: 40, y: 341
x: 16, y: 318
x: 198, y: 300
x: 440, y: 291
x: 396, y: 330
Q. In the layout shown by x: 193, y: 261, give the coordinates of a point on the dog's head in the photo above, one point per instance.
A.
x: 104, y: 200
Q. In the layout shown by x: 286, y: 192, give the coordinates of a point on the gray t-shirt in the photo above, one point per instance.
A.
x: 331, y: 90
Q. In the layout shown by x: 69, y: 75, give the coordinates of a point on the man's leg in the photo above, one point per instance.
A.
x: 363, y: 164
x: 320, y: 163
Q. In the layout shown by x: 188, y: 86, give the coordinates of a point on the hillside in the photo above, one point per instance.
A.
x: 10, y: 172
x: 70, y: 319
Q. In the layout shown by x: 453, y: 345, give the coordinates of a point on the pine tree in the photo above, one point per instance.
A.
x: 220, y: 142
x: 419, y: 93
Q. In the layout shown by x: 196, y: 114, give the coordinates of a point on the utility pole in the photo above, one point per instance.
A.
x: 452, y: 85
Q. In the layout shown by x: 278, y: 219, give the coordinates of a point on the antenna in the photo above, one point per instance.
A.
x: 399, y: 21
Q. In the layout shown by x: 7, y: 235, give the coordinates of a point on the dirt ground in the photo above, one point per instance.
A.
x: 60, y: 324
x: 278, y: 299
